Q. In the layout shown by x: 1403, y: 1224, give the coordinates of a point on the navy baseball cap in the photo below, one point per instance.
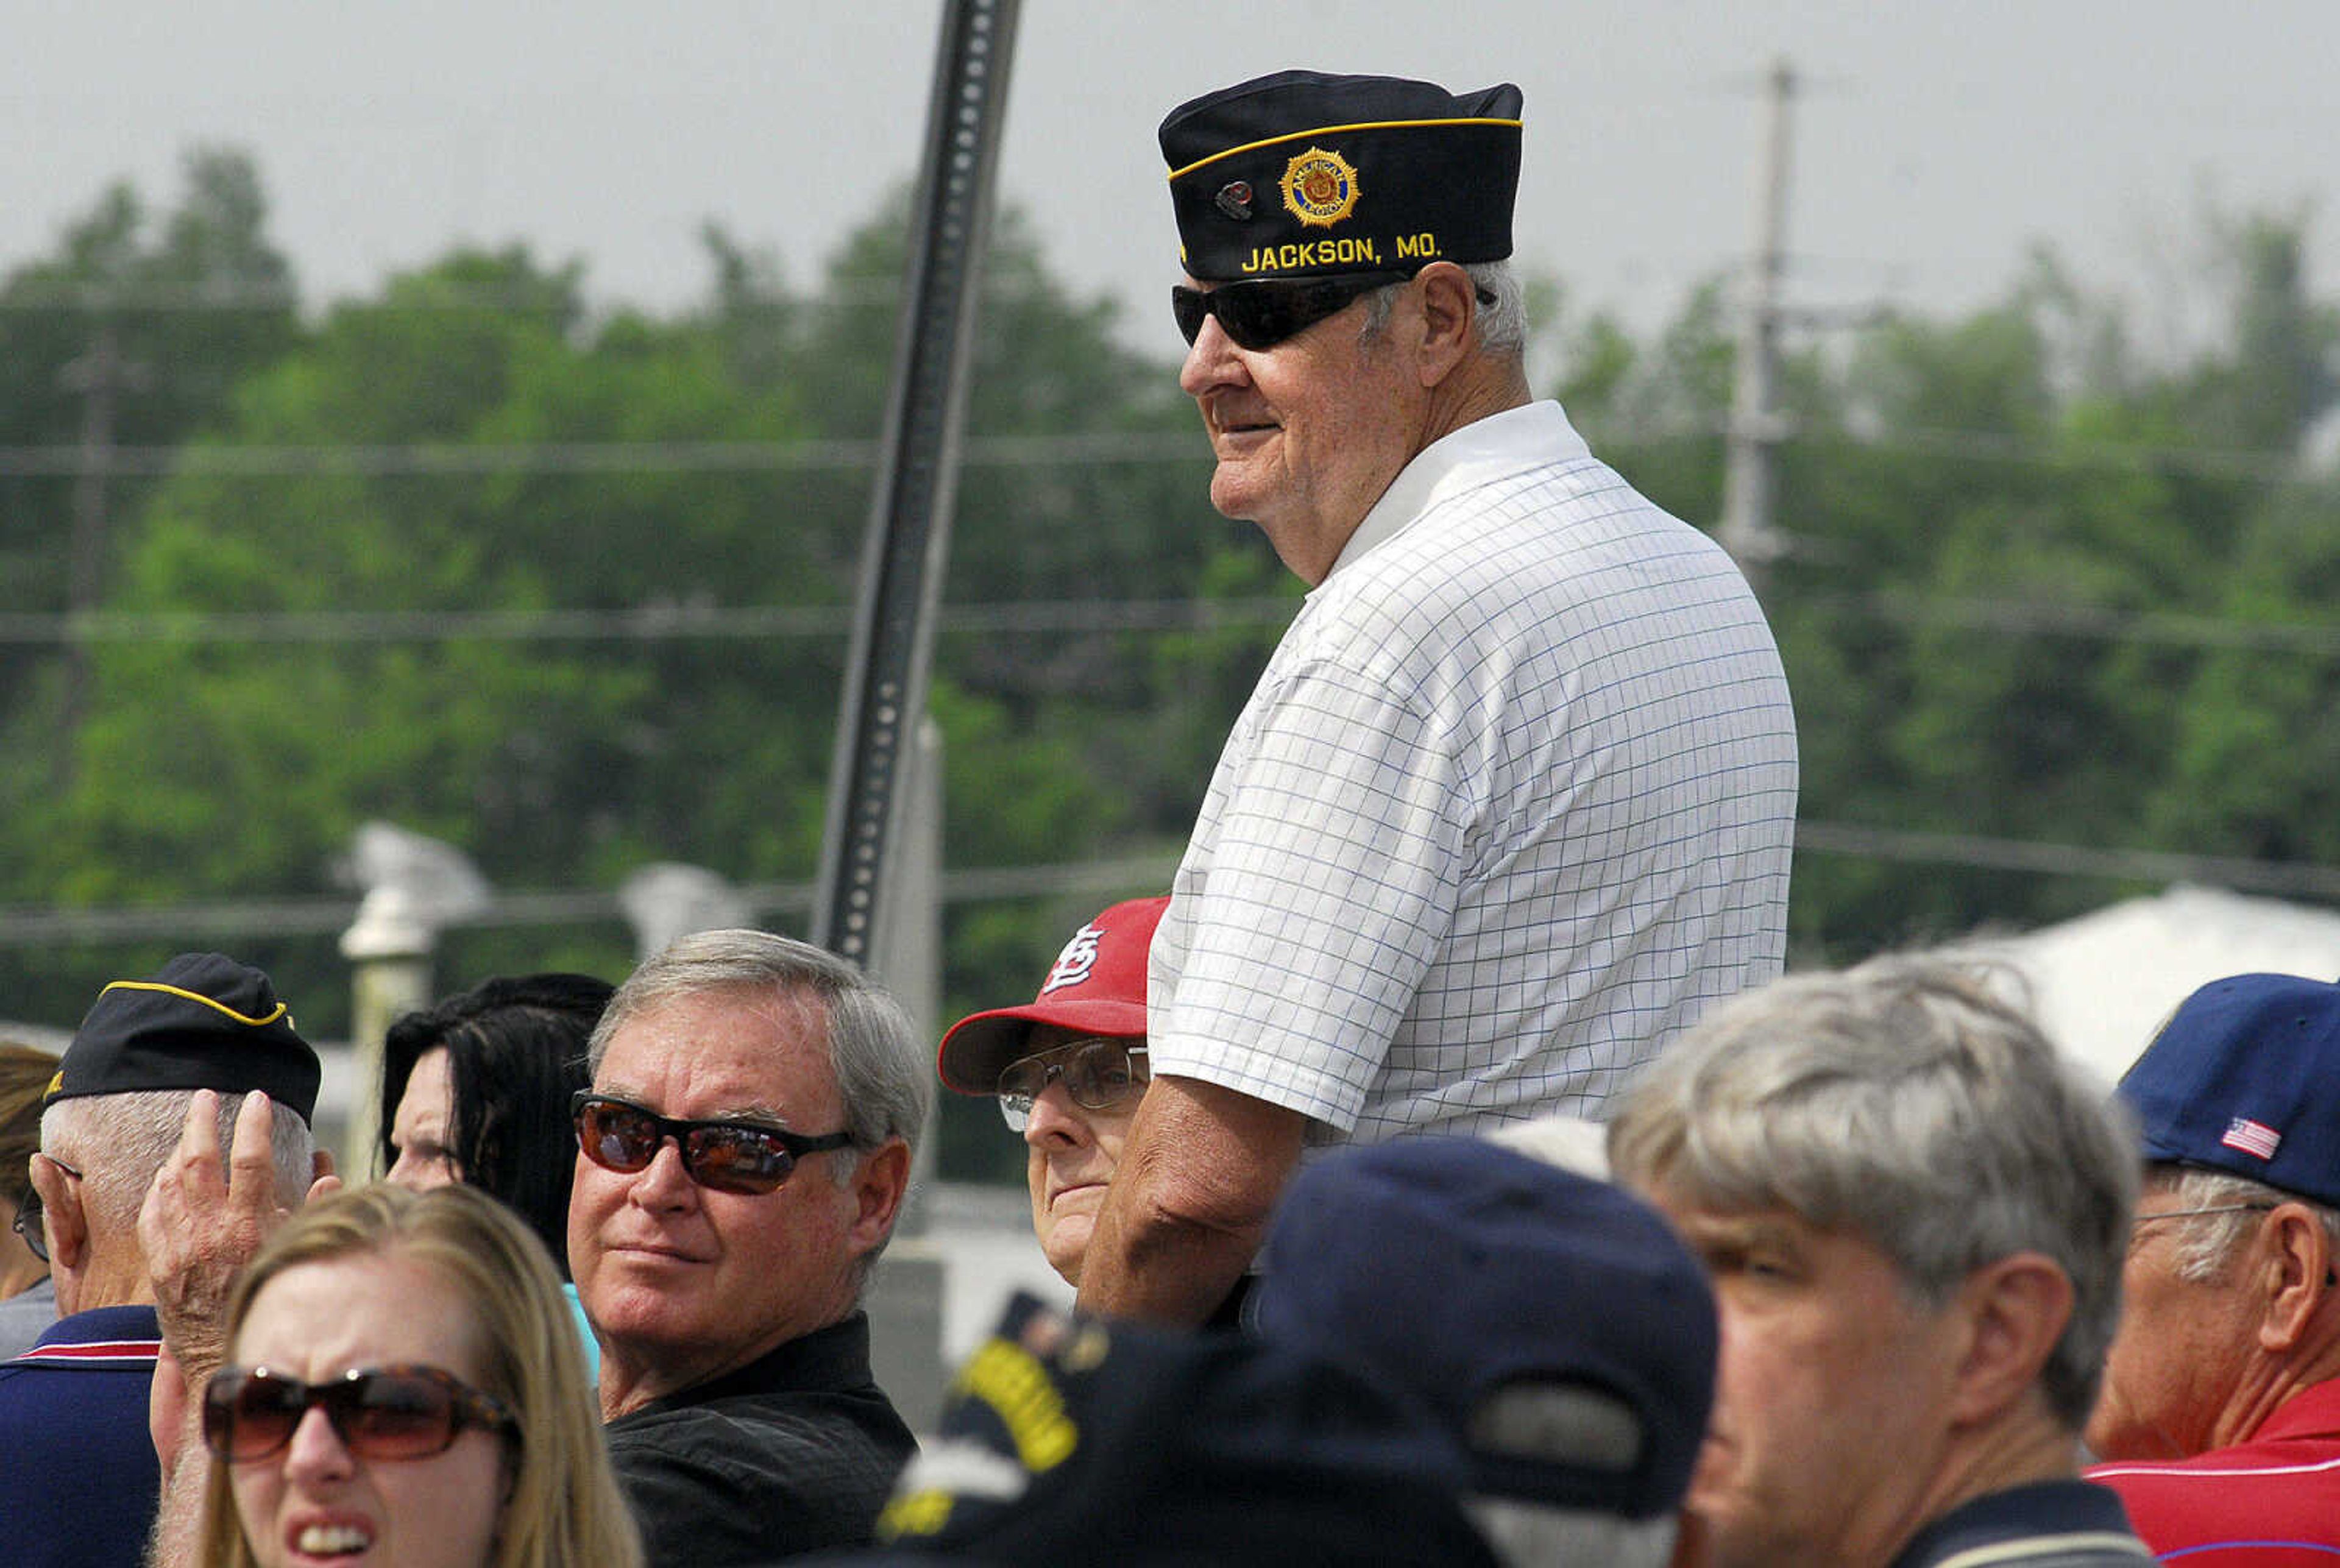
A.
x: 1475, y: 1279
x: 1069, y: 1440
x: 2245, y: 1078
x: 1302, y: 174
x: 204, y: 1022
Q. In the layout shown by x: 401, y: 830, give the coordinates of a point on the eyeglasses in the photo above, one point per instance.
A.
x: 748, y: 1157
x: 1098, y: 1073
x: 1262, y: 313
x: 28, y: 1223
x: 2145, y: 1219
x: 377, y: 1412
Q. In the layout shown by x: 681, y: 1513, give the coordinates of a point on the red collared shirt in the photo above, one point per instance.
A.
x: 2273, y: 1501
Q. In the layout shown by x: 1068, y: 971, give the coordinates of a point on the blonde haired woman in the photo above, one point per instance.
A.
x: 404, y: 1390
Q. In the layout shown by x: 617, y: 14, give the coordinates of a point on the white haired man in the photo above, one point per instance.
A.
x: 1914, y: 1215
x: 1513, y: 803
x: 82, y: 1479
x: 2220, y: 1420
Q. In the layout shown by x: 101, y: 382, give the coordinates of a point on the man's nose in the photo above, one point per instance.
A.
x: 1211, y: 360
x: 1054, y: 1117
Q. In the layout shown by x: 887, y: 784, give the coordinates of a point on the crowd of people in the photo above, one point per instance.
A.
x: 1445, y: 1170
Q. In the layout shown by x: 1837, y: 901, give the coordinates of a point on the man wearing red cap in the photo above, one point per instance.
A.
x: 1068, y: 1068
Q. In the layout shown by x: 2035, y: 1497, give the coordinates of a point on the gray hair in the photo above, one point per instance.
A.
x: 1903, y: 1101
x: 1502, y: 326
x: 118, y: 1142
x: 879, y: 1064
x: 2206, y: 1243
x: 1532, y: 1534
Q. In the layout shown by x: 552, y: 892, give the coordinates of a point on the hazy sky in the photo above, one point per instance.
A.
x: 1933, y: 143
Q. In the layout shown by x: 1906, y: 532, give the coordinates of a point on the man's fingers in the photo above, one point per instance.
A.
x: 249, y: 1160
x: 199, y: 1136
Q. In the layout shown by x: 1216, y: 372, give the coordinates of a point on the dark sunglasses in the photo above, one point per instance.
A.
x: 377, y: 1412
x: 748, y: 1157
x: 1098, y: 1073
x: 1265, y: 312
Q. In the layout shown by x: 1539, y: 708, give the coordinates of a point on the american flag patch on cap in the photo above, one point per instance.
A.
x: 2251, y: 1137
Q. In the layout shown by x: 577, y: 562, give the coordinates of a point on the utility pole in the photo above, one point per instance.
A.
x: 1748, y: 532
x: 909, y: 539
x: 101, y: 376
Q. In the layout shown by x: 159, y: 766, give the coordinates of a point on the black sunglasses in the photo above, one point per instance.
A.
x: 1265, y: 312
x: 377, y: 1412
x: 748, y: 1157
x: 1098, y: 1073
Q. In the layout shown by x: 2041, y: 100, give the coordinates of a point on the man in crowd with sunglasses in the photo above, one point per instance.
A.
x: 745, y: 1148
x: 2221, y: 1411
x: 1513, y: 803
x: 80, y: 1478
x: 1068, y: 1068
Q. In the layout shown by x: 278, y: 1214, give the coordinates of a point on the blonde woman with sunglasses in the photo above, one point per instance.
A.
x: 403, y: 1389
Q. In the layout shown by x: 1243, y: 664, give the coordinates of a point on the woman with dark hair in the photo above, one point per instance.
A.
x: 481, y: 1083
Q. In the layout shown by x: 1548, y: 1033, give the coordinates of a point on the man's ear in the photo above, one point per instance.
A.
x: 2017, y: 1308
x: 1450, y: 305
x: 2295, y: 1264
x: 60, y: 1210
x: 879, y: 1188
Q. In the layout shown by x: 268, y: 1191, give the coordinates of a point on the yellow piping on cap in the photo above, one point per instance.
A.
x: 1176, y: 174
x: 195, y: 997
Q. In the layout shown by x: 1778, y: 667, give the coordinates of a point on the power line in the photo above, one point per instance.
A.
x: 1073, y: 616
x: 655, y: 623
x: 1135, y: 447
x: 467, y: 458
x: 2083, y: 623
x: 1976, y: 852
x: 23, y: 927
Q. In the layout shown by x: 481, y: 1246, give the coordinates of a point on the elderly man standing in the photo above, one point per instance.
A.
x: 723, y: 1282
x: 80, y: 1478
x: 1513, y: 803
x: 2221, y: 1409
x: 1914, y: 1215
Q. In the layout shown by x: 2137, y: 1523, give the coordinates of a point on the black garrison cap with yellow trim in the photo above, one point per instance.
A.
x: 1300, y: 174
x: 204, y: 1022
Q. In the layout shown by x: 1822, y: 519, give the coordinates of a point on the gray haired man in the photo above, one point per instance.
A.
x: 1914, y: 1215
x: 723, y: 1282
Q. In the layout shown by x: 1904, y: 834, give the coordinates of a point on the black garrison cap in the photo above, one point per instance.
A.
x: 204, y: 1022
x: 1299, y: 175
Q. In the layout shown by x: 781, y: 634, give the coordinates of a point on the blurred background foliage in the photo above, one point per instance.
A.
x: 569, y: 590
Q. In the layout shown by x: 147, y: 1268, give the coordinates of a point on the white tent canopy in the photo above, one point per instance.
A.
x: 2103, y: 983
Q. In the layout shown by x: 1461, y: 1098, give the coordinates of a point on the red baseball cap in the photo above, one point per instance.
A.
x: 1096, y: 985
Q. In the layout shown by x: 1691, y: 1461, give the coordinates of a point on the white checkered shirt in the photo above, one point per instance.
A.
x: 1512, y: 804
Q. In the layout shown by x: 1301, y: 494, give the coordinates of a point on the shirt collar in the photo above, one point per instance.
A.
x: 1485, y: 448
x: 2053, y: 1516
